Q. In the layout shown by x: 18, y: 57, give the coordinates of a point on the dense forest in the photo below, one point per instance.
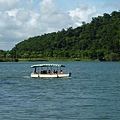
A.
x: 99, y: 39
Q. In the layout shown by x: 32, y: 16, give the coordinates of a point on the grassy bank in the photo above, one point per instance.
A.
x: 53, y: 59
x: 45, y: 59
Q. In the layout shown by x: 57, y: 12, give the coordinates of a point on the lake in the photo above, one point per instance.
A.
x: 92, y: 93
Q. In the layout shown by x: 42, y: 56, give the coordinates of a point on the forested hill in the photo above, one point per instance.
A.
x: 99, y: 39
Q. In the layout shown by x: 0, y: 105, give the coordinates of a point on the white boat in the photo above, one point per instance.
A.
x: 49, y: 71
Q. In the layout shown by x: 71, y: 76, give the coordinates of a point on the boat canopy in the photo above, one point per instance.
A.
x: 47, y: 65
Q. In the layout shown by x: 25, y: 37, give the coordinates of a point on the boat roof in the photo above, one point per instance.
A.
x: 47, y: 65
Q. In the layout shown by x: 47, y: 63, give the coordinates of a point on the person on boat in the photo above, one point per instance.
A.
x: 61, y: 72
x: 48, y: 71
x: 56, y: 71
x: 35, y: 71
x: 41, y: 72
x: 53, y: 72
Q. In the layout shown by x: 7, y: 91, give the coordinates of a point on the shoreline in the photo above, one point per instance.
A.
x: 50, y: 59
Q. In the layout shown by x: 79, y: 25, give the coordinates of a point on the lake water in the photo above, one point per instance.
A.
x: 92, y: 93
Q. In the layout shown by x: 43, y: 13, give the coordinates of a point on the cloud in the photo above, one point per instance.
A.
x: 21, y: 19
x: 84, y: 12
x: 8, y: 4
x: 48, y: 7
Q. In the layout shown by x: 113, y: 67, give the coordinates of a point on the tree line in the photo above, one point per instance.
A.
x: 99, y: 39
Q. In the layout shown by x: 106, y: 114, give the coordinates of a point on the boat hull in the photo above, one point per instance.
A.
x: 50, y: 75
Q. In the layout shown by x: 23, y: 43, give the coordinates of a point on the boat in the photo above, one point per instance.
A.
x: 49, y: 71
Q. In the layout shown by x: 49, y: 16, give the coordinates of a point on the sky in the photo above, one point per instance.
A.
x: 22, y: 19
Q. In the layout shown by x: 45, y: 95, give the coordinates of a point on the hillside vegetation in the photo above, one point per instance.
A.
x: 99, y: 39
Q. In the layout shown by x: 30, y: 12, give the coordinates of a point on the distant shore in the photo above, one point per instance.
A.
x: 39, y: 59
x: 46, y: 59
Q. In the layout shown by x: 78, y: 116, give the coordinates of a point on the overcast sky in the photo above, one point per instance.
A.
x: 21, y: 19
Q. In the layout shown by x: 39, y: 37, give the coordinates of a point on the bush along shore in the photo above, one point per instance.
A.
x: 8, y: 60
